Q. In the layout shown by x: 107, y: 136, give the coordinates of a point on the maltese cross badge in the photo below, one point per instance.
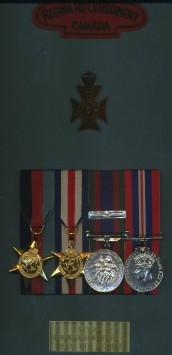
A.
x: 88, y: 110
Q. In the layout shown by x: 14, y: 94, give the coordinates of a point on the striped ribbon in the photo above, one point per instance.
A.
x: 74, y: 193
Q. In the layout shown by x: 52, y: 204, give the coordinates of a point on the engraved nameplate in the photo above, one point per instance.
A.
x: 89, y: 336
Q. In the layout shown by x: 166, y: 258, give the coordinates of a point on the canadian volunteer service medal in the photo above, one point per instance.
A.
x: 103, y: 270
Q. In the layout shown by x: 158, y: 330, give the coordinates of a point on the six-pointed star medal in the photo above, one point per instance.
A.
x: 30, y: 263
x: 70, y: 263
x: 88, y: 110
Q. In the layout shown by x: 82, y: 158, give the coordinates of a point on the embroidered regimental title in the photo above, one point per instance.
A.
x: 90, y: 20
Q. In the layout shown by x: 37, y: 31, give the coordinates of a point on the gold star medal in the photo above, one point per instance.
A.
x: 30, y: 263
x: 70, y: 263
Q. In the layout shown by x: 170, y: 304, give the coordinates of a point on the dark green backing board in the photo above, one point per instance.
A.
x: 39, y: 74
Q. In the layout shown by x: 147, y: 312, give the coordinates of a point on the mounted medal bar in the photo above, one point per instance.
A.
x: 112, y: 237
x: 100, y: 229
x: 115, y: 237
x: 104, y: 270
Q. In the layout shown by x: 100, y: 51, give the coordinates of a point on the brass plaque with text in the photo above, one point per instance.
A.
x: 89, y: 336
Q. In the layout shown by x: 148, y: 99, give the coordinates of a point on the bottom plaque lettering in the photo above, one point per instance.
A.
x: 89, y: 336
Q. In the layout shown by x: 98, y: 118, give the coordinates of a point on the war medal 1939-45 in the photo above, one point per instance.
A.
x: 103, y: 270
x: 143, y: 270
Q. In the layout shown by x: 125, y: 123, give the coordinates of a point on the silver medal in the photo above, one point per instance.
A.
x: 143, y: 270
x: 104, y: 270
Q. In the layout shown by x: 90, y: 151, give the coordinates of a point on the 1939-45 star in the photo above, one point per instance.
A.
x: 30, y: 263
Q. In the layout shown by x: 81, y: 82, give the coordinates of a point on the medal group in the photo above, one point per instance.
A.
x: 103, y: 269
